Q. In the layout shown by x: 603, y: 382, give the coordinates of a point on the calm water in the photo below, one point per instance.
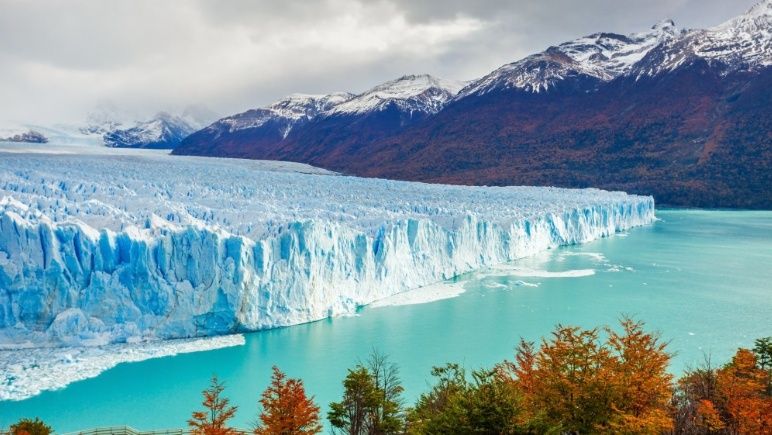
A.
x: 702, y: 278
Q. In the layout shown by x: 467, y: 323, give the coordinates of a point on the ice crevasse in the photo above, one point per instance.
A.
x: 96, y: 250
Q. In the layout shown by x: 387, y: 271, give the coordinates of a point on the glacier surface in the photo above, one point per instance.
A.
x: 102, y: 247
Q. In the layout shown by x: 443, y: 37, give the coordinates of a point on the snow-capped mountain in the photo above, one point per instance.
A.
x: 385, y: 108
x: 161, y: 132
x: 283, y: 114
x: 411, y: 93
x: 600, y: 56
x: 742, y: 43
x: 675, y: 112
x: 422, y: 94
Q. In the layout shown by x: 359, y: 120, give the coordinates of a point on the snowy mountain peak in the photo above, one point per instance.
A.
x: 743, y: 42
x: 162, y: 131
x: 288, y: 111
x: 602, y: 56
x: 296, y: 106
x: 411, y: 93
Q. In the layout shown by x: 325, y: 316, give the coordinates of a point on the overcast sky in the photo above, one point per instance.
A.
x: 60, y: 60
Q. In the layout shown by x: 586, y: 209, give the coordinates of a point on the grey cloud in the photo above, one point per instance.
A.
x: 58, y: 59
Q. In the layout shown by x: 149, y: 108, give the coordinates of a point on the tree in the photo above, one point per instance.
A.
x: 567, y: 383
x: 213, y: 420
x: 643, y: 387
x: 28, y: 426
x: 286, y: 409
x: 729, y: 400
x: 575, y: 383
x: 360, y: 398
x: 441, y: 410
x: 488, y: 404
x: 387, y: 416
x: 372, y: 401
x: 743, y: 388
x: 763, y: 351
x: 694, y: 402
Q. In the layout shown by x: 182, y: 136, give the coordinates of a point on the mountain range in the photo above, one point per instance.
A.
x: 683, y: 114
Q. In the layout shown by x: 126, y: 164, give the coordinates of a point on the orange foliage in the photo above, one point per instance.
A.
x: 709, y: 417
x: 575, y: 383
x: 286, y: 409
x: 213, y: 420
x: 731, y: 400
x: 743, y: 387
x: 642, y: 385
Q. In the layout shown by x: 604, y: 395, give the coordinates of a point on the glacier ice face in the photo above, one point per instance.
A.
x: 99, y: 249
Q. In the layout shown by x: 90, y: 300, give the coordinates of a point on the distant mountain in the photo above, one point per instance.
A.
x: 163, y: 131
x: 681, y: 114
x: 276, y: 130
x: 30, y: 136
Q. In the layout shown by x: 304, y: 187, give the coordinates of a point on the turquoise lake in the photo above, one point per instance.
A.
x: 701, y: 278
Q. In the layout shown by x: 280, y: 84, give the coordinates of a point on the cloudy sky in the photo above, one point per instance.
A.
x: 60, y: 60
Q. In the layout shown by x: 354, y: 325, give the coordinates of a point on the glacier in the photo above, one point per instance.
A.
x: 132, y: 246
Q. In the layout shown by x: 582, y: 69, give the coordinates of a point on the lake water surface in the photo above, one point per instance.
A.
x: 701, y: 278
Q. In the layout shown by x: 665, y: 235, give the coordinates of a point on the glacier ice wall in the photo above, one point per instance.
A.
x: 97, y: 250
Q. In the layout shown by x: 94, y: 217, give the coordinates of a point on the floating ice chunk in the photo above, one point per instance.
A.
x: 510, y: 270
x: 422, y: 295
x: 27, y: 372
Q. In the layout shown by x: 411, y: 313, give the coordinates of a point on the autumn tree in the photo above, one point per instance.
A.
x: 694, y: 402
x: 286, y: 408
x: 729, y: 400
x: 566, y: 382
x: 217, y: 411
x: 575, y: 383
x: 742, y: 386
x: 642, y: 386
x: 28, y: 426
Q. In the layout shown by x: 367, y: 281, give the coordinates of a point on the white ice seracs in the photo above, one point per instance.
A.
x: 98, y: 249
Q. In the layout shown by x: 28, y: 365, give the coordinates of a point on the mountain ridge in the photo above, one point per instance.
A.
x: 672, y: 112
